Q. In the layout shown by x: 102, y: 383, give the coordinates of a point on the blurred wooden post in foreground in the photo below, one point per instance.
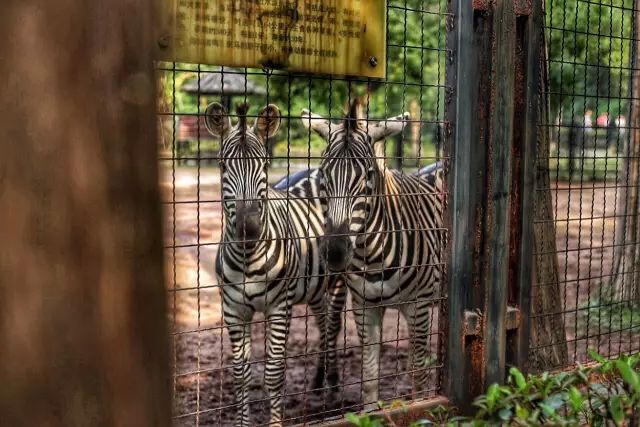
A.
x: 82, y: 323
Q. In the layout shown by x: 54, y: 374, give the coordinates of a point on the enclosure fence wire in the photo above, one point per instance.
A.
x: 586, y: 208
x: 196, y: 205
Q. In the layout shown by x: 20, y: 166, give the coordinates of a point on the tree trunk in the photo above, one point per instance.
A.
x: 82, y: 325
x: 626, y: 282
x: 549, y: 344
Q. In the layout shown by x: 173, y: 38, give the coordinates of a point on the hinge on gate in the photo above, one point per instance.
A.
x: 448, y: 95
x: 513, y: 318
x: 473, y: 321
x: 450, y: 22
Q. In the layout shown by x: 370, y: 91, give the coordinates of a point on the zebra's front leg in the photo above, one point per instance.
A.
x: 369, y: 325
x: 240, y: 337
x: 417, y: 316
x: 329, y: 324
x: 277, y: 334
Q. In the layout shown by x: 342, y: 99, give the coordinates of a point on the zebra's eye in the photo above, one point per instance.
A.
x: 371, y: 175
x: 222, y: 166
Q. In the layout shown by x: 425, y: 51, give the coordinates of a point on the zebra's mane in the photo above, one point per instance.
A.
x: 237, y: 143
x: 351, y: 139
x: 241, y: 112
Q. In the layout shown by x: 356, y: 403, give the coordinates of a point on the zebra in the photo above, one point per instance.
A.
x: 269, y: 257
x: 384, y: 230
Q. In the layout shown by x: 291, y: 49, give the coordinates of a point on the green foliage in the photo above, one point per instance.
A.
x: 608, y: 315
x: 607, y: 394
x: 589, y: 48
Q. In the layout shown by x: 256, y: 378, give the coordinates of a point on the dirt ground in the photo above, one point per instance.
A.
x: 203, y: 383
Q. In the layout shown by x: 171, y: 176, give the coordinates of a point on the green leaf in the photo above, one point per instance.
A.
x: 522, y: 412
x: 576, y: 398
x: 548, y: 410
x: 517, y: 376
x: 353, y: 419
x: 615, y: 407
x: 595, y: 356
x: 492, y: 397
x: 555, y: 401
x: 632, y: 378
x: 505, y: 414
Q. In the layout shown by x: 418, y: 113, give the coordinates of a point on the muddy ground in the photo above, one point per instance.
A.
x: 202, y: 358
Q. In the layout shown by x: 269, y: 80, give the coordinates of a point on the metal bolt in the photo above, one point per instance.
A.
x: 373, y: 61
x: 163, y: 42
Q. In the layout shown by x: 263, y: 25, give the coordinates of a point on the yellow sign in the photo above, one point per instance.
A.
x: 345, y: 37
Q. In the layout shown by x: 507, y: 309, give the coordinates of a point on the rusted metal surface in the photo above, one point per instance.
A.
x: 481, y: 5
x: 466, y: 72
x: 472, y: 323
x: 401, y: 417
x: 520, y: 7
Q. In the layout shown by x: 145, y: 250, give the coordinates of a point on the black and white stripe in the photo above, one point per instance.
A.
x: 269, y: 258
x: 385, y: 230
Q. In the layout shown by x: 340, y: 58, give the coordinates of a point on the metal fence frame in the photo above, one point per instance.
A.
x: 495, y: 70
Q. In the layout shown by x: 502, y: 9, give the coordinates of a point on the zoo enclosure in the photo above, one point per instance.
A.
x: 482, y: 79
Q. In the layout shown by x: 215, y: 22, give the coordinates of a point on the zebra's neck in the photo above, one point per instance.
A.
x: 379, y: 218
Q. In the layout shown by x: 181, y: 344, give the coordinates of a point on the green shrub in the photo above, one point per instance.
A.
x: 606, y: 394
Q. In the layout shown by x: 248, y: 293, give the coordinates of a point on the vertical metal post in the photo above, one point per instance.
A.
x: 465, y: 43
x: 492, y: 74
x: 526, y: 131
x: 499, y: 188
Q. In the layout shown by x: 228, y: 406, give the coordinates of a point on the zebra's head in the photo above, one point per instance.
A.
x: 352, y: 176
x: 243, y: 166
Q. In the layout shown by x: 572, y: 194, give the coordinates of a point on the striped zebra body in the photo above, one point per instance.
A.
x: 385, y: 230
x: 269, y: 259
x: 394, y: 257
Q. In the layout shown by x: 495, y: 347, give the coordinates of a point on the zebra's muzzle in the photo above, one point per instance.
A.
x: 248, y: 222
x: 337, y: 248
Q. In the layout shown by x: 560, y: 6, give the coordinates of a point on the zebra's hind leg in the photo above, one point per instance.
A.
x: 329, y: 324
x: 279, y: 321
x: 240, y: 337
x: 417, y: 315
x: 369, y: 325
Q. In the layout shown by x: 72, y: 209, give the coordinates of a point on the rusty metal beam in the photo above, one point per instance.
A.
x: 499, y: 189
x: 525, y: 142
x: 467, y: 42
x: 520, y: 7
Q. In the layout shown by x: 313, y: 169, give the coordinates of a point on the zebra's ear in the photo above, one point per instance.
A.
x: 267, y: 123
x: 217, y: 120
x: 316, y: 123
x: 388, y: 127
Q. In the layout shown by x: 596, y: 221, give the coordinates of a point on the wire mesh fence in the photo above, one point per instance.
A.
x: 243, y: 247
x: 590, y: 197
x: 305, y: 228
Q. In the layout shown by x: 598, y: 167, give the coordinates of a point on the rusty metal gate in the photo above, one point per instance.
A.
x: 534, y: 202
